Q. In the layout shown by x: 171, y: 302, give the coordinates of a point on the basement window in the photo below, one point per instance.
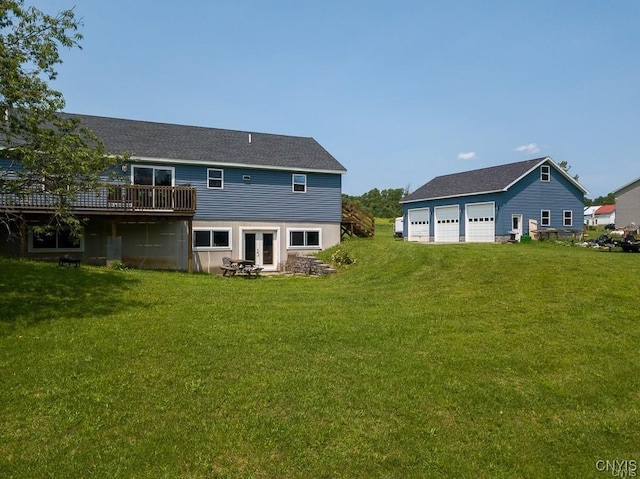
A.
x: 304, y: 239
x: 211, y: 239
x: 59, y: 241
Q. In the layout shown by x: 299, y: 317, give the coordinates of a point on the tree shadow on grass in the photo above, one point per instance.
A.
x: 31, y: 292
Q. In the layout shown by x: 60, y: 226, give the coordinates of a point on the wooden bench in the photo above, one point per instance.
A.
x: 68, y: 261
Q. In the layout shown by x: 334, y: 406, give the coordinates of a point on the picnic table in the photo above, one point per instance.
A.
x: 243, y: 267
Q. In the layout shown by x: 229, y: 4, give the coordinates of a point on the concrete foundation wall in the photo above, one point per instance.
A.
x: 209, y: 261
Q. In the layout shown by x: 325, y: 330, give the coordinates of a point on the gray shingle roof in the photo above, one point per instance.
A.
x: 143, y: 139
x: 494, y: 178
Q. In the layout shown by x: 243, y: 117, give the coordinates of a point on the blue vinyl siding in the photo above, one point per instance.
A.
x: 267, y: 196
x: 530, y: 195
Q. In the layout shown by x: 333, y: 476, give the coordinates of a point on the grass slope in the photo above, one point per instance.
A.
x: 416, y: 361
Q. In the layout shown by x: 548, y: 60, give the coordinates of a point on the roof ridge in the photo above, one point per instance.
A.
x: 504, y: 165
x: 184, y: 125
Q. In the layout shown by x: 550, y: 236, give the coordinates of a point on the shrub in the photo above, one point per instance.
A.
x: 118, y: 265
x: 341, y: 256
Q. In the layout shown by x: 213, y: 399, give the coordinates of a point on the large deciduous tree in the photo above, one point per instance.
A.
x: 41, y: 150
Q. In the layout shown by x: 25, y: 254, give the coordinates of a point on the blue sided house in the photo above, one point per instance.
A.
x: 501, y: 203
x: 189, y: 196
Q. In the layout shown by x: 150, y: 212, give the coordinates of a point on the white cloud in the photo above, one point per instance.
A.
x: 529, y: 148
x: 467, y: 156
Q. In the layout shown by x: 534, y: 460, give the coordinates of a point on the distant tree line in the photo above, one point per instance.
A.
x: 610, y: 199
x: 381, y: 204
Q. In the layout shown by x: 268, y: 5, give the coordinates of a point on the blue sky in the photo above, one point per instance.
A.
x: 398, y: 91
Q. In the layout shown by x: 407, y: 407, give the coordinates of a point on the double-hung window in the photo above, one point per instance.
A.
x: 567, y: 218
x: 211, y: 238
x: 545, y: 173
x: 545, y: 218
x: 304, y: 238
x: 299, y: 183
x: 215, y: 178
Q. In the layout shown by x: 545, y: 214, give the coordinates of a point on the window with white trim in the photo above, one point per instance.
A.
x: 545, y: 173
x: 567, y: 218
x: 545, y: 218
x: 211, y: 238
x: 303, y: 238
x: 215, y: 178
x: 60, y: 240
x: 299, y: 183
x: 152, y: 175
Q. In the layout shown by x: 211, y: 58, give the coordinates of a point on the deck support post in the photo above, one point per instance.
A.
x: 189, y: 246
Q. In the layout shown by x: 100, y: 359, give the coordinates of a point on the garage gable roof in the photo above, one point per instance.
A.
x: 191, y: 144
x: 485, y: 180
x: 632, y: 184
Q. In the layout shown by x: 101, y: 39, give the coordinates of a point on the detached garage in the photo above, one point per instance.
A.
x: 479, y: 206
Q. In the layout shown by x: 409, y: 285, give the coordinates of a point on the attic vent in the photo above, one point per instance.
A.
x: 246, y: 178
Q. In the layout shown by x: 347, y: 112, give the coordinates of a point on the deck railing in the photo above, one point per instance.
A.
x: 111, y: 198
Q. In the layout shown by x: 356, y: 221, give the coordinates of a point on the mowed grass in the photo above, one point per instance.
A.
x: 500, y: 360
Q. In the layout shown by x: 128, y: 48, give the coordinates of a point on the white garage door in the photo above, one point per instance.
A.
x: 419, y: 224
x: 446, y: 224
x: 481, y: 223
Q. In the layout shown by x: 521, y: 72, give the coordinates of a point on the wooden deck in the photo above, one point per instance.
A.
x: 111, y: 199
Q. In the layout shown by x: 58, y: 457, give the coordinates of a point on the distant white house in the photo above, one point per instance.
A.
x: 599, y: 215
x: 590, y: 215
x: 606, y: 214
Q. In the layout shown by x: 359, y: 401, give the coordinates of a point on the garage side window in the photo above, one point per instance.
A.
x: 545, y: 173
x: 211, y: 239
x: 545, y: 218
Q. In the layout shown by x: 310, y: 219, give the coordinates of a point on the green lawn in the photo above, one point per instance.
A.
x: 474, y: 361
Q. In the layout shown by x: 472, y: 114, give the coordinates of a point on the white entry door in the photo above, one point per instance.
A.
x: 481, y: 223
x: 446, y: 224
x: 516, y: 227
x: 261, y: 248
